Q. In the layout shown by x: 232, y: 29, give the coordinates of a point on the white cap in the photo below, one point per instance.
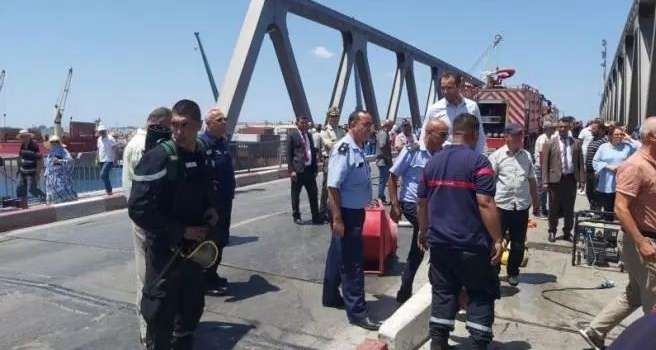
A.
x: 102, y: 128
x: 54, y: 138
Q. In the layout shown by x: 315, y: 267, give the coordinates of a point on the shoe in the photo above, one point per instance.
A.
x: 298, y: 221
x: 403, y: 295
x: 513, y: 280
x: 367, y: 324
x: 593, y: 338
x: 317, y: 221
x: 216, y: 286
x: 552, y: 237
x: 567, y: 237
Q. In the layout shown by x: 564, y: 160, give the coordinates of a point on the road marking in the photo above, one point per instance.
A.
x: 257, y: 218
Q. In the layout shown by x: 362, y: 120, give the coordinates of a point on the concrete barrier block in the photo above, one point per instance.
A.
x: 84, y: 207
x: 26, y: 218
x: 407, y: 328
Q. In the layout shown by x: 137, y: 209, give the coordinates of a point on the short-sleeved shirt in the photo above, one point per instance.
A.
x: 512, y: 171
x: 106, y: 151
x: 636, y: 178
x: 445, y: 111
x: 450, y: 183
x: 349, y: 173
x: 409, y: 166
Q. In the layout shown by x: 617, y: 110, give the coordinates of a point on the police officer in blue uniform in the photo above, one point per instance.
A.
x: 409, y: 166
x: 222, y: 175
x: 349, y: 191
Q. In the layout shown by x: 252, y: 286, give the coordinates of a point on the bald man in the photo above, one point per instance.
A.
x: 409, y: 165
x: 635, y: 207
x: 383, y: 157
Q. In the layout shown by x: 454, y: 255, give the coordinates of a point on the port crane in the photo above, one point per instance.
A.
x: 61, y: 104
x: 208, y: 70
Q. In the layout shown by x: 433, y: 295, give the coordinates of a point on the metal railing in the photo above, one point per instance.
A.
x: 86, y: 177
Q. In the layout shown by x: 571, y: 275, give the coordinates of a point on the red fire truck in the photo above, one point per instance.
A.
x: 501, y: 105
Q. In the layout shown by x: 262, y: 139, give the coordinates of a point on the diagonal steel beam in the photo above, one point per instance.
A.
x: 343, y: 72
x: 433, y: 89
x: 288, y: 67
x: 397, y: 87
x: 362, y: 65
x: 413, y: 101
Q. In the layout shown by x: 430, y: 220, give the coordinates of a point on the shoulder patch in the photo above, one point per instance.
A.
x: 343, y: 148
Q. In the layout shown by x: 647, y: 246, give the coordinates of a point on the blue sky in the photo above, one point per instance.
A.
x: 131, y: 56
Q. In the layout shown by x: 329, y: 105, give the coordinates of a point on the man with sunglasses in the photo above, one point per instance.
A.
x: 222, y: 175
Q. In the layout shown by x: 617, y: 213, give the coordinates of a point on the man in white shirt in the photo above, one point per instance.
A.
x: 451, y: 105
x: 131, y: 157
x: 406, y: 137
x: 516, y: 191
x: 106, y: 156
x: 549, y: 132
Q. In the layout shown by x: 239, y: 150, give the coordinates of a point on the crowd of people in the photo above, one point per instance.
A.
x: 465, y: 206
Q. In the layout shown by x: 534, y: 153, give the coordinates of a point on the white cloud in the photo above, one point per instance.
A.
x: 322, y: 52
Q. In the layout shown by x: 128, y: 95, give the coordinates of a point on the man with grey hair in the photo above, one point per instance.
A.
x: 635, y: 207
x: 131, y: 156
x: 383, y: 157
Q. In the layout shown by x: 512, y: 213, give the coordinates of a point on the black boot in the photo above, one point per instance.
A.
x: 441, y: 344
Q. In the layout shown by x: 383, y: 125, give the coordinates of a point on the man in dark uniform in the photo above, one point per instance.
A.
x: 170, y: 201
x: 349, y: 186
x: 459, y: 220
x: 223, y: 191
x: 29, y: 167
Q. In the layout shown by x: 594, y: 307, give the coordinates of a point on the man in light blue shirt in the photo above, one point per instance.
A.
x: 349, y: 186
x: 409, y: 166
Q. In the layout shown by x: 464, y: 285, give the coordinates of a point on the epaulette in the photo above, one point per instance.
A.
x: 343, y: 148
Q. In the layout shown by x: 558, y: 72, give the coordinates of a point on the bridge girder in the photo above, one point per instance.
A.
x: 269, y: 17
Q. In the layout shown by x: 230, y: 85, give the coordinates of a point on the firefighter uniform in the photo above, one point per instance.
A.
x: 349, y: 173
x: 169, y: 194
x: 222, y: 175
x: 459, y: 242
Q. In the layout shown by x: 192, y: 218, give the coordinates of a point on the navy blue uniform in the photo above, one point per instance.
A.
x: 166, y: 198
x: 349, y: 173
x: 222, y: 176
x: 459, y: 242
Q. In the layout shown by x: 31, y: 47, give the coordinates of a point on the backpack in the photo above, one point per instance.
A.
x: 174, y: 167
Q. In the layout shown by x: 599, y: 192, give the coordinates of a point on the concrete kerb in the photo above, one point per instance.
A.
x: 100, y: 203
x: 407, y: 328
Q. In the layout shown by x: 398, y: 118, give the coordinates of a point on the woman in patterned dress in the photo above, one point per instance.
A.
x: 58, y: 173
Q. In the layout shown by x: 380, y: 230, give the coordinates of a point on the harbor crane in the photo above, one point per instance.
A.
x: 61, y: 104
x: 2, y: 79
x: 208, y: 70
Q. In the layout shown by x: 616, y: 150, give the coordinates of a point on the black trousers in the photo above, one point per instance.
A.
x: 21, y: 190
x: 450, y: 270
x: 415, y: 255
x: 308, y: 180
x: 344, y: 265
x: 222, y: 234
x: 607, y: 203
x: 591, y: 190
x: 562, y: 197
x: 513, y: 225
x: 323, y: 202
x: 181, y: 309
